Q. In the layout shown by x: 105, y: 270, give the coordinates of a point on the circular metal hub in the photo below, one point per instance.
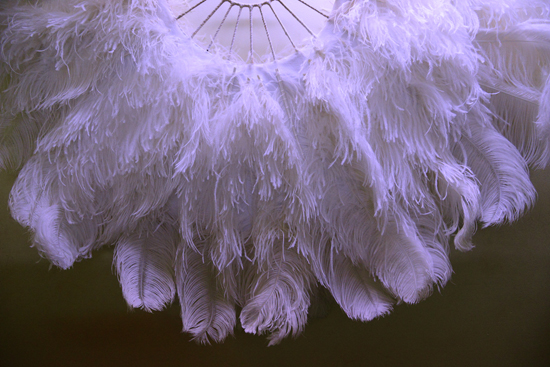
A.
x: 250, y: 30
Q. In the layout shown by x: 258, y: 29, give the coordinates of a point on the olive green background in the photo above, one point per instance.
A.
x: 494, y: 312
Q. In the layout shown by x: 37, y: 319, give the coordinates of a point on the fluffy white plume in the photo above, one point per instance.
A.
x: 145, y: 265
x: 516, y: 65
x: 352, y: 163
x: 506, y: 191
x: 59, y: 234
x: 276, y: 294
x: 207, y: 310
x: 351, y: 285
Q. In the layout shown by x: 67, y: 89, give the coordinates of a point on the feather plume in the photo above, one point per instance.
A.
x: 207, y: 311
x: 18, y: 135
x: 351, y: 285
x: 276, y: 294
x: 506, y: 191
x: 516, y: 66
x: 543, y: 118
x: 350, y: 164
x: 145, y: 265
x: 60, y: 240
x: 59, y: 235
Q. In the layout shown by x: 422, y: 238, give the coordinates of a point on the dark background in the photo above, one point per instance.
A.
x: 494, y: 312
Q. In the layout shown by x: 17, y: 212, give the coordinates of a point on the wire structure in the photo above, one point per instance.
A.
x: 254, y: 31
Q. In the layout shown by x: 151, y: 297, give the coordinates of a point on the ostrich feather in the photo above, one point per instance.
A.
x: 18, y: 136
x: 352, y: 286
x: 276, y: 294
x: 145, y: 266
x: 516, y: 66
x: 395, y: 255
x: 354, y: 163
x: 59, y: 235
x: 506, y: 191
x: 543, y: 118
x: 207, y: 310
x: 57, y: 238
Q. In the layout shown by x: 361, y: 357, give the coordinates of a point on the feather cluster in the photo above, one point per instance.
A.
x: 350, y: 165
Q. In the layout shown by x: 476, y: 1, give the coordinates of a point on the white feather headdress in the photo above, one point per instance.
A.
x: 349, y: 165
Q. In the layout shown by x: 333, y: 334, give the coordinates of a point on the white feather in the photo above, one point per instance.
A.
x: 363, y: 148
x: 276, y: 294
x: 207, y: 311
x: 543, y: 118
x: 145, y: 265
x: 391, y: 251
x: 59, y: 240
x: 18, y: 135
x: 352, y: 286
x: 59, y: 234
x: 505, y: 189
x: 516, y: 67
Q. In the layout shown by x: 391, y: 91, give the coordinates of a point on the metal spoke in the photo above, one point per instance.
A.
x: 190, y: 10
x: 313, y: 8
x: 268, y: 37
x: 208, y: 18
x: 235, y: 31
x: 296, y: 17
x: 251, y: 51
x: 282, y: 26
x: 219, y: 27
